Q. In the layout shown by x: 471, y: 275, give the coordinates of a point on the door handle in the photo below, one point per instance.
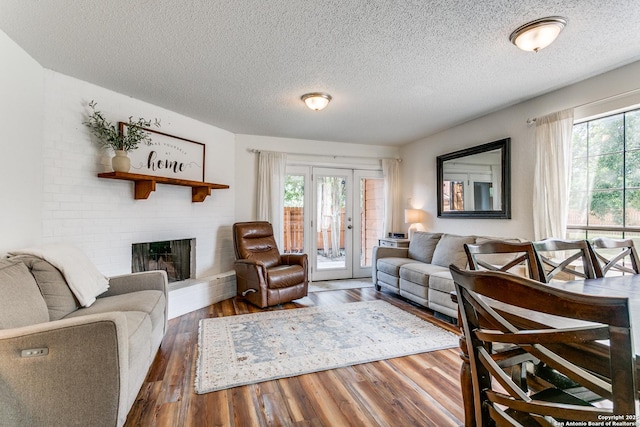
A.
x: 349, y: 227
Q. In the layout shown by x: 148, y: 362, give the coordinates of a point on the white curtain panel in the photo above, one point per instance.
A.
x: 271, y: 175
x: 391, y: 174
x: 552, y: 174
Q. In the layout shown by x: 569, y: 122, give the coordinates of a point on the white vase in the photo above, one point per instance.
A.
x: 120, y: 162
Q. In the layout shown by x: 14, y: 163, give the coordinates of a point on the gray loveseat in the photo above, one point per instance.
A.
x: 66, y: 365
x: 420, y: 273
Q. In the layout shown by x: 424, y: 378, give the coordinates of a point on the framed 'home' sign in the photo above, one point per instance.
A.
x: 168, y: 156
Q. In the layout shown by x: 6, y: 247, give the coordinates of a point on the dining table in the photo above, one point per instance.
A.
x: 611, y: 286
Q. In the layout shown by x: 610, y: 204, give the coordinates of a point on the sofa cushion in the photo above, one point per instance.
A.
x: 415, y: 289
x: 450, y: 250
x: 388, y: 280
x: 442, y: 281
x: 53, y: 287
x: 285, y: 276
x: 422, y: 246
x: 391, y: 265
x: 418, y: 272
x: 150, y: 302
x: 441, y: 302
x: 140, y: 350
x: 21, y: 303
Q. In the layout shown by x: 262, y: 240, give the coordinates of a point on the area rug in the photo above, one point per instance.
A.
x: 251, y: 348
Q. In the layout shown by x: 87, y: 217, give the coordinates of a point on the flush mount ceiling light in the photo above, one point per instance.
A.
x: 538, y: 34
x: 316, y: 100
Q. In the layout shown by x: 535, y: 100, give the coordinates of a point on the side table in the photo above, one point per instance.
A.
x: 393, y: 243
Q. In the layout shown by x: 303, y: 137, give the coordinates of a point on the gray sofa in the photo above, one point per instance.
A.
x: 66, y: 365
x: 420, y: 273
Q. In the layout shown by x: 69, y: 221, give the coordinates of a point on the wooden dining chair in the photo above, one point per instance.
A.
x: 616, y: 255
x: 503, y: 321
x: 518, y: 258
x: 567, y: 259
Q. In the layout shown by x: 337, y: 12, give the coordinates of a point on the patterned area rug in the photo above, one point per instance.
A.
x: 251, y: 348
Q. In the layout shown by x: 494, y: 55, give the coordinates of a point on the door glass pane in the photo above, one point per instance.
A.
x: 331, y: 191
x: 371, y: 217
x: 294, y: 214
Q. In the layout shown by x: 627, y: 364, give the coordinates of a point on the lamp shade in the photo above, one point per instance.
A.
x: 412, y: 216
x: 316, y: 100
x: 538, y: 34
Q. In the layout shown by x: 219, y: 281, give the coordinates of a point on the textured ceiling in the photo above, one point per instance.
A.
x: 397, y: 70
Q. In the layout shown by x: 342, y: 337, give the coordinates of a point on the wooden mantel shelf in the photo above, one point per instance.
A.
x: 145, y: 184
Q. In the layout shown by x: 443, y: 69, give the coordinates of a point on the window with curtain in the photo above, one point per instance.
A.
x: 605, y: 178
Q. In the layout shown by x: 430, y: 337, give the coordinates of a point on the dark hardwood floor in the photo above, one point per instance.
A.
x: 419, y: 390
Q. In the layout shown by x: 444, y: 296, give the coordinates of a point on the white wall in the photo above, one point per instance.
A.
x: 21, y: 130
x: 419, y: 158
x: 319, y: 153
x: 101, y: 216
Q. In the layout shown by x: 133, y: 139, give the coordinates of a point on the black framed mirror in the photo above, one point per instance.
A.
x: 476, y: 182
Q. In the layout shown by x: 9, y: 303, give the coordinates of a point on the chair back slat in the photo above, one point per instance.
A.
x: 567, y: 259
x: 499, y: 255
x: 503, y: 318
x: 616, y: 256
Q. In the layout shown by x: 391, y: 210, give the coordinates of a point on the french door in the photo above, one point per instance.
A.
x: 335, y: 216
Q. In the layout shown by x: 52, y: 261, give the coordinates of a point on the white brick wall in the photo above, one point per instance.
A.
x: 101, y: 216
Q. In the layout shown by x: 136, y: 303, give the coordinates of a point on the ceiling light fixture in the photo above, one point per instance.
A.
x: 538, y: 34
x: 316, y: 100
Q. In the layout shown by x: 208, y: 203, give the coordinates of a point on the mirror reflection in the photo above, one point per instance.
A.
x: 474, y: 182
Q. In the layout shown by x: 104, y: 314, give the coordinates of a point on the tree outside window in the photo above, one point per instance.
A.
x: 605, y: 177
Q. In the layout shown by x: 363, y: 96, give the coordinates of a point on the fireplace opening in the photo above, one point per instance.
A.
x: 172, y: 256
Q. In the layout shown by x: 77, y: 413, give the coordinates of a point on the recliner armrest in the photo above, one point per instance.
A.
x: 295, y: 259
x: 250, y: 262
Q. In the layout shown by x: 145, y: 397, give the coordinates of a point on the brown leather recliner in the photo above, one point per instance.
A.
x: 264, y: 276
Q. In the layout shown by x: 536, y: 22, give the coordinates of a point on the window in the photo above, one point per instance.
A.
x: 605, y: 178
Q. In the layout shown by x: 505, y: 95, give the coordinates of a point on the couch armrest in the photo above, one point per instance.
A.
x: 384, y: 252
x: 143, y: 281
x: 83, y: 380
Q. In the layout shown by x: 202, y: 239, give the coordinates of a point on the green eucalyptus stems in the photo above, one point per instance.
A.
x: 108, y: 136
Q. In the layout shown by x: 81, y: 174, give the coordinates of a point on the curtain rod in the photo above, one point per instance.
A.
x: 608, y: 98
x: 334, y: 156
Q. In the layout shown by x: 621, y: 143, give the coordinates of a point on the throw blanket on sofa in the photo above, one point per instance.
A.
x: 83, y: 278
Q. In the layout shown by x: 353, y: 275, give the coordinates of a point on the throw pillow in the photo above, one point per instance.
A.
x: 20, y: 301
x: 54, y: 289
x: 84, y: 279
x: 422, y: 246
x: 450, y: 250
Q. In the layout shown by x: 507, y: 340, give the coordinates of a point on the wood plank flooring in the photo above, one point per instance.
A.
x: 419, y: 390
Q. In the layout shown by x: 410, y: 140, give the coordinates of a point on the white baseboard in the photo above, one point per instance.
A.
x: 193, y: 294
